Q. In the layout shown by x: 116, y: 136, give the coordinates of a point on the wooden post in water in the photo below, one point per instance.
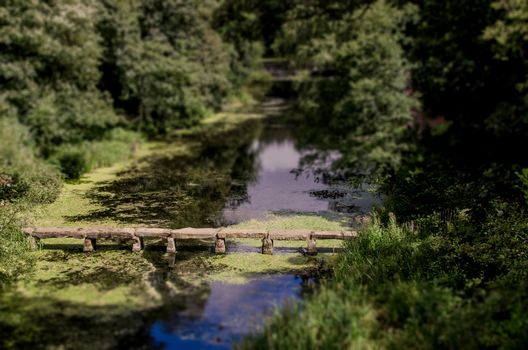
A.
x: 89, y: 244
x: 137, y: 245
x: 220, y: 246
x: 312, y: 248
x: 267, y: 245
x: 171, y: 245
x: 33, y: 242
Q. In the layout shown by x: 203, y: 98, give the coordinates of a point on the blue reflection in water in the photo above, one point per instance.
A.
x: 230, y: 312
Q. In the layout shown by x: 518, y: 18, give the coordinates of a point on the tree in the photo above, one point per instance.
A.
x: 357, y: 90
x: 50, y: 58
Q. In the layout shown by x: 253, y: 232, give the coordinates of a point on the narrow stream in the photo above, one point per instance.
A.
x: 249, y: 172
x: 269, y: 188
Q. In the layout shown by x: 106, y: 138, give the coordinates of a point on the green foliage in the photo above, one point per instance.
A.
x: 470, y: 68
x: 71, y: 161
x: 15, y: 259
x: 356, y: 87
x: 25, y: 177
x: 12, y: 187
x: 50, y: 59
x: 163, y: 62
x: 523, y: 176
x: 25, y: 181
x: 76, y: 159
x: 394, y: 288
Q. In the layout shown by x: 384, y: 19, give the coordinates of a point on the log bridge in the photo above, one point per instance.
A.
x: 137, y: 235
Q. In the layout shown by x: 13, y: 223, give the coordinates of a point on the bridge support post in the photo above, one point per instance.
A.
x: 138, y: 244
x: 267, y: 245
x: 171, y: 245
x: 220, y: 247
x: 312, y: 248
x: 33, y: 242
x: 89, y: 245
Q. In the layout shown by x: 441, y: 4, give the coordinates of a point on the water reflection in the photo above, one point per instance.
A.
x: 279, y: 190
x: 230, y: 312
x: 230, y: 175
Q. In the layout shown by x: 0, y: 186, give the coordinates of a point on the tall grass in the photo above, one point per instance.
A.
x: 15, y: 259
x: 393, y: 288
x: 25, y: 181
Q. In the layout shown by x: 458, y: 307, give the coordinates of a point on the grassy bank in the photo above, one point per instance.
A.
x: 436, y: 288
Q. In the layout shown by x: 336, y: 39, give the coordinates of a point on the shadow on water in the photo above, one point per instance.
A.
x: 228, y: 175
x: 187, y: 189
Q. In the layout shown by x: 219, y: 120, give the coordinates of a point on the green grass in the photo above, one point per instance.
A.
x: 438, y: 288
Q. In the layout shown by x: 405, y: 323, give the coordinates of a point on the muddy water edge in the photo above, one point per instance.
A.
x: 246, y: 175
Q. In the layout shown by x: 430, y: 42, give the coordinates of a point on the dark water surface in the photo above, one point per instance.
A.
x: 279, y: 190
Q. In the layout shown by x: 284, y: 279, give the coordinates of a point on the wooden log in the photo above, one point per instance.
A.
x: 334, y: 234
x: 171, y: 245
x: 300, y: 235
x: 267, y: 245
x: 194, y: 233
x: 28, y: 230
x: 153, y: 232
x: 312, y: 248
x: 241, y: 233
x: 220, y: 246
x: 89, y: 245
x: 107, y: 232
x: 57, y: 232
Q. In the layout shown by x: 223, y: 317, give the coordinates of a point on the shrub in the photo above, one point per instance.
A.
x: 76, y: 159
x: 25, y: 177
x: 12, y: 187
x: 72, y: 161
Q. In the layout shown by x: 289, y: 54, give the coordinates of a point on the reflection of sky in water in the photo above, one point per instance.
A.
x: 278, y: 190
x: 231, y: 311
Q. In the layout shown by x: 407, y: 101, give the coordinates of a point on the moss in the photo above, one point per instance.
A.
x: 109, y: 276
x: 238, y: 267
x: 295, y: 221
x: 73, y: 200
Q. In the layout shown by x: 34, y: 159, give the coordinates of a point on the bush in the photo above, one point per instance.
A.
x: 25, y: 181
x: 76, y: 159
x: 72, y: 161
x: 12, y: 187
x: 25, y: 177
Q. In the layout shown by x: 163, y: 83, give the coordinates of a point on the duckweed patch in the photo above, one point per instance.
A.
x: 181, y: 181
x: 295, y: 221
